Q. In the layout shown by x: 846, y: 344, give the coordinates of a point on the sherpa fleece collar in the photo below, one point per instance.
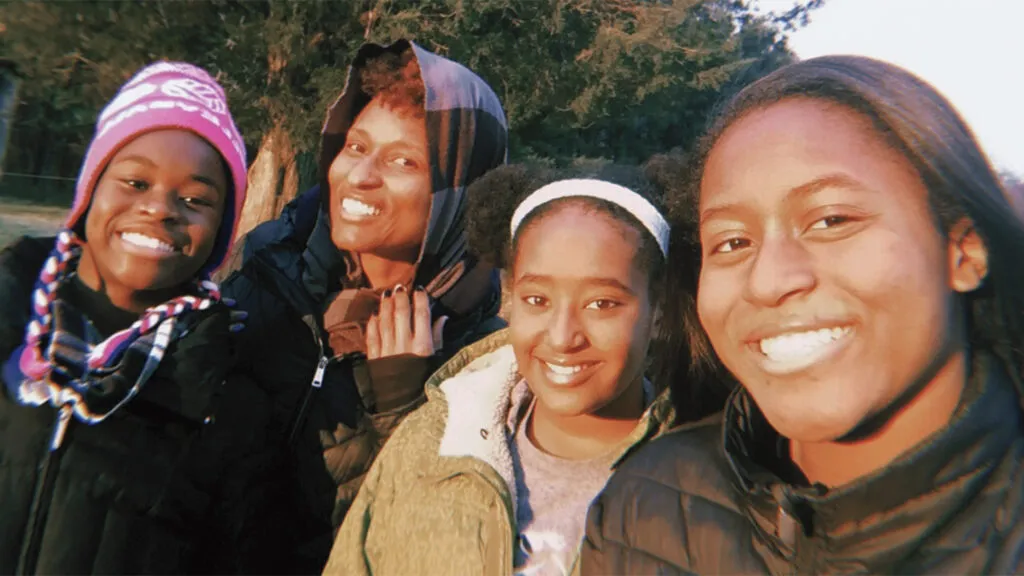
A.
x: 479, y: 386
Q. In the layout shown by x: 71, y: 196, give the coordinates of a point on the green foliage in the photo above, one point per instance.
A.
x: 616, y: 79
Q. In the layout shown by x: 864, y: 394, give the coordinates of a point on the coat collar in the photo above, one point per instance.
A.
x: 479, y: 385
x: 880, y: 522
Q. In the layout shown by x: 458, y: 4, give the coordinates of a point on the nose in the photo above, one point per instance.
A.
x: 364, y: 172
x: 160, y: 203
x: 782, y: 269
x: 565, y: 333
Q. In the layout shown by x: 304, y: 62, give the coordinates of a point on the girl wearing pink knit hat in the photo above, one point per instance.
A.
x: 113, y: 438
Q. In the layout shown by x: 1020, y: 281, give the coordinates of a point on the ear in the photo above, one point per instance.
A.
x: 968, y: 257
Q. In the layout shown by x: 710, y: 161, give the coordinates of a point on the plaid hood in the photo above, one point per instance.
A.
x: 467, y: 135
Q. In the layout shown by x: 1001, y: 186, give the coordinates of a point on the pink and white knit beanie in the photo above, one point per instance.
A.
x: 161, y: 96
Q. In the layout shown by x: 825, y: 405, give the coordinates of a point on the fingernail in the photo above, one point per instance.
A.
x: 241, y: 314
x: 237, y: 327
x: 399, y: 289
x: 387, y: 293
x: 229, y: 301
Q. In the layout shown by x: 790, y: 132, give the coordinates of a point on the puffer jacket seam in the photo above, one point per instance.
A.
x: 637, y: 551
x: 630, y: 474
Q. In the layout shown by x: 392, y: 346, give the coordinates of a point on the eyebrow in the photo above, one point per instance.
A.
x: 400, y: 145
x: 205, y: 180
x: 835, y: 180
x: 592, y: 280
x: 356, y: 132
x: 149, y: 163
x: 137, y: 159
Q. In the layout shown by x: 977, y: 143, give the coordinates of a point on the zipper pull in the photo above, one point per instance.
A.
x: 61, y: 427
x: 786, y: 526
x: 318, y: 376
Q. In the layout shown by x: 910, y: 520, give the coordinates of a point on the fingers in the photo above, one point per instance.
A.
x: 236, y: 320
x: 386, y: 324
x: 422, y: 341
x: 373, y: 338
x: 438, y: 332
x: 402, y: 325
x: 402, y: 320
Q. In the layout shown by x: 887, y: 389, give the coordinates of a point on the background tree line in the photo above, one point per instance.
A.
x: 615, y: 80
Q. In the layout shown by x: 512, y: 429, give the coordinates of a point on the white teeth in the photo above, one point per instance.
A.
x: 560, y: 374
x: 357, y: 208
x: 564, y: 370
x: 144, y: 241
x: 796, y: 345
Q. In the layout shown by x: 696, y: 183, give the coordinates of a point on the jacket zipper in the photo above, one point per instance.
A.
x: 42, y: 495
x: 793, y: 532
x: 321, y: 366
x: 314, y: 385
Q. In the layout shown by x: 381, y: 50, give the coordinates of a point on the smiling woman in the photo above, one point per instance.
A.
x: 154, y: 218
x: 860, y: 278
x: 365, y: 284
x: 116, y: 347
x: 811, y: 286
x: 381, y: 192
x: 529, y: 422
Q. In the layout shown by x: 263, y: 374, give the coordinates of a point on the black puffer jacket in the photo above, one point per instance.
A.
x: 333, y: 412
x: 324, y: 431
x: 690, y: 504
x: 154, y: 488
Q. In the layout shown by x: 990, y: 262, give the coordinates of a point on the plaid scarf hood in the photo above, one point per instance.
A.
x: 467, y: 135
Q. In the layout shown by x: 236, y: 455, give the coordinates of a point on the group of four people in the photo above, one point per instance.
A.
x: 827, y: 287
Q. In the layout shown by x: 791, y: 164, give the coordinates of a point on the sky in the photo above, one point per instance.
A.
x: 971, y: 50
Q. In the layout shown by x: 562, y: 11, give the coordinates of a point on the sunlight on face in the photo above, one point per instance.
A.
x: 381, y: 185
x: 825, y: 286
x: 580, y: 313
x: 155, y: 214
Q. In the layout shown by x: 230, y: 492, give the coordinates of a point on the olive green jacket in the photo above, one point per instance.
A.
x: 440, y: 498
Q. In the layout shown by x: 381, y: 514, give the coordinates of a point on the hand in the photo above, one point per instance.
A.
x: 236, y: 318
x: 402, y: 326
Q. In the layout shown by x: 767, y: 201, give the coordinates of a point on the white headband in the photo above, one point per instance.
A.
x: 621, y: 196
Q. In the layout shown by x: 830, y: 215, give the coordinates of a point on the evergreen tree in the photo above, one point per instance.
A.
x: 611, y: 79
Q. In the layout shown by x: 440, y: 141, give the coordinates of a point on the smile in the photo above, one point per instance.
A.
x: 147, y: 243
x: 795, y: 351
x: 565, y: 373
x: 356, y: 209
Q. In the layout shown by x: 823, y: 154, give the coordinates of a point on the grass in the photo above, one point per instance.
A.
x: 20, y: 218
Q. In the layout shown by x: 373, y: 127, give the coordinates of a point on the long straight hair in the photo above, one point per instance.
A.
x: 921, y: 124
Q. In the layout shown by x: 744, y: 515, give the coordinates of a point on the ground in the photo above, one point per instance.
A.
x: 21, y: 218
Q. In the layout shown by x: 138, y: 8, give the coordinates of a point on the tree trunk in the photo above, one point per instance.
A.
x: 273, y: 182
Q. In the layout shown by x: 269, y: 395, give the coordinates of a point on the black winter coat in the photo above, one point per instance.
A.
x: 326, y: 431
x: 153, y: 488
x: 700, y: 501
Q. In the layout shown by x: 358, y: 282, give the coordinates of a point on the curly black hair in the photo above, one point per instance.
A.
x: 493, y: 198
x: 700, y: 383
x: 396, y: 80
